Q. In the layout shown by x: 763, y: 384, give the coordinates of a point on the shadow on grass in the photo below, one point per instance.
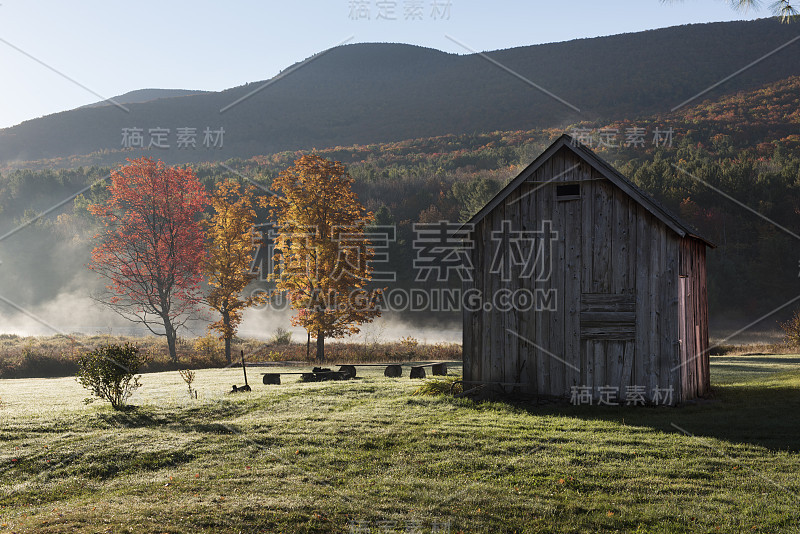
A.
x: 721, y: 361
x: 201, y: 419
x: 757, y: 415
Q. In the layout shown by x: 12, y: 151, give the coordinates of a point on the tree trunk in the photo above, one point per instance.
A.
x: 320, y: 347
x: 226, y: 321
x: 171, y: 340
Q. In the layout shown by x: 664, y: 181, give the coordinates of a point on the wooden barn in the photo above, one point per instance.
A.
x: 585, y: 286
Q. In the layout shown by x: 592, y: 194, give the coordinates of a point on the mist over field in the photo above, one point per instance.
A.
x: 75, y: 313
x: 46, y: 287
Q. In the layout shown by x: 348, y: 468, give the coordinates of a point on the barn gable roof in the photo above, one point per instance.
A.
x: 659, y: 211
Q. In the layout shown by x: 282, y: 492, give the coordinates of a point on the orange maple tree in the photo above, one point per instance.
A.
x: 322, y: 253
x: 151, y: 249
x: 230, y: 246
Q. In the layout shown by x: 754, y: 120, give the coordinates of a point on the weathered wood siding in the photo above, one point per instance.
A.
x: 615, y: 274
x: 693, y: 317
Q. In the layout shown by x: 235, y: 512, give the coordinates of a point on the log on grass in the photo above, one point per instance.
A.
x: 439, y: 369
x: 272, y: 379
x: 393, y: 371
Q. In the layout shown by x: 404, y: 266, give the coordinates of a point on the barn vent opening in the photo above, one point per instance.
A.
x: 568, y: 191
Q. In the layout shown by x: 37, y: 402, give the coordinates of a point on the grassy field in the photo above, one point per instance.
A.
x: 369, y: 456
x: 56, y: 355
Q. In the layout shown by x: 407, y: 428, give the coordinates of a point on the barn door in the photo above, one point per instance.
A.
x: 608, y: 330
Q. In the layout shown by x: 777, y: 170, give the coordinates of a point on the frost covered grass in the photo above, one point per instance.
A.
x: 368, y: 454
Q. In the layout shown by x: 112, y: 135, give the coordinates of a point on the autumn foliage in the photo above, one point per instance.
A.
x: 230, y: 246
x: 323, y: 255
x: 151, y: 249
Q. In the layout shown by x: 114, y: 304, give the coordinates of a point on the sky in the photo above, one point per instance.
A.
x: 57, y: 55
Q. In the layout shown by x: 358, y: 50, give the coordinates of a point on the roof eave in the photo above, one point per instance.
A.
x: 609, y: 172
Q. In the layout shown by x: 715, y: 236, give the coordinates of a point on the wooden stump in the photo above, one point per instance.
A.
x: 273, y: 379
x: 348, y: 370
x: 417, y: 372
x: 393, y: 371
x: 440, y: 369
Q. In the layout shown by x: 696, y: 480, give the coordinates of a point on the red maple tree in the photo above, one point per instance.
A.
x: 152, y: 248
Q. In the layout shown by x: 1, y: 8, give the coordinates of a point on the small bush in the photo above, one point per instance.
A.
x: 409, y: 343
x: 281, y: 336
x: 275, y: 356
x: 37, y: 362
x: 791, y: 331
x: 209, y: 347
x: 188, y: 377
x: 109, y: 372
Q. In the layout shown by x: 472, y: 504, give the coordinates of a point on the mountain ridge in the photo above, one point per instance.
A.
x: 373, y: 93
x: 140, y: 96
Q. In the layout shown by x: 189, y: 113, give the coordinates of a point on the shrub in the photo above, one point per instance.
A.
x: 275, y: 356
x: 209, y: 347
x: 408, y: 343
x: 35, y: 362
x: 791, y: 331
x: 109, y: 372
x: 281, y: 336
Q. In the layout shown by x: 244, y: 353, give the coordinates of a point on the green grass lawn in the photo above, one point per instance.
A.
x: 368, y: 456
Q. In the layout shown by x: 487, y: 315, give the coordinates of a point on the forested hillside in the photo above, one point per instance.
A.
x: 378, y: 93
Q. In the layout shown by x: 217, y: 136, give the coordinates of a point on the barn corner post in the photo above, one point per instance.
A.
x: 694, y: 353
x: 611, y: 316
x: 467, y: 332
